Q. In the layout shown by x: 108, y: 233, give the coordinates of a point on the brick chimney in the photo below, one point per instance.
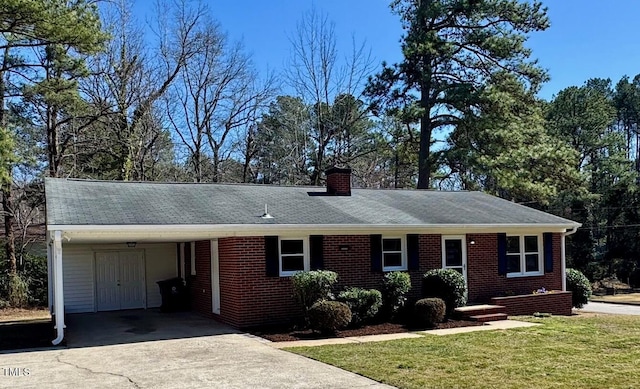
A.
x: 338, y: 181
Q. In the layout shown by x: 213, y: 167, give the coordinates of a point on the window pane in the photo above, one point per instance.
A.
x: 531, y: 244
x: 453, y: 252
x: 293, y: 263
x: 291, y: 247
x: 513, y: 244
x: 392, y: 259
x: 532, y: 263
x: 391, y: 245
x: 513, y: 264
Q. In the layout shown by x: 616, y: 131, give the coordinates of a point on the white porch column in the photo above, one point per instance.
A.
x: 563, y: 261
x: 563, y: 254
x: 58, y: 288
x: 49, y: 276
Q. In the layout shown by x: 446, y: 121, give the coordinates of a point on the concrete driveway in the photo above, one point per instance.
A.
x: 616, y: 309
x: 138, y: 350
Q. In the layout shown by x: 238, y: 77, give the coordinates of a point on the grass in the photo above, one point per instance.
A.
x: 625, y: 298
x: 585, y: 351
x: 21, y: 314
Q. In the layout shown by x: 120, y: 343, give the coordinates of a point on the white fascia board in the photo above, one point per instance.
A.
x: 184, y: 232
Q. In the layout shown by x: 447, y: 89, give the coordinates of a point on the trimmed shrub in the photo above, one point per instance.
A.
x: 446, y: 284
x: 395, y: 287
x: 429, y: 311
x: 312, y: 286
x: 329, y: 316
x: 364, y: 303
x: 579, y: 286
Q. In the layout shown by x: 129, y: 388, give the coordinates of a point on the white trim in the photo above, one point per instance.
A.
x: 462, y: 238
x: 563, y: 256
x: 58, y: 287
x: 215, y: 277
x: 305, y: 254
x: 523, y: 263
x: 403, y: 253
x: 193, y: 258
x: 188, y: 232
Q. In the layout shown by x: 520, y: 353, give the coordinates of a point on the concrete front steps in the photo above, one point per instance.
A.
x: 482, y: 313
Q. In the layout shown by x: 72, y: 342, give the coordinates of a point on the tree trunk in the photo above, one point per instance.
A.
x: 424, y: 155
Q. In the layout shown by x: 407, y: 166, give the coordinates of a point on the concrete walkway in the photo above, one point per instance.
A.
x: 489, y: 326
x: 616, y: 309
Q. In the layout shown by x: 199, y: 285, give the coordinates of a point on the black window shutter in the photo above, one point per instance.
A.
x: 413, y: 252
x: 376, y: 253
x: 502, y: 254
x: 315, y: 252
x: 272, y: 256
x: 547, y: 239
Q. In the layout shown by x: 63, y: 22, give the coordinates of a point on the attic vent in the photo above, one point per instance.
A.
x: 266, y: 213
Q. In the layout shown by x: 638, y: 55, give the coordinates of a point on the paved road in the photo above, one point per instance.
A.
x: 619, y: 309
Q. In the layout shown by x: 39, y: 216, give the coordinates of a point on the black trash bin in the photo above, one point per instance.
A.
x: 174, y: 295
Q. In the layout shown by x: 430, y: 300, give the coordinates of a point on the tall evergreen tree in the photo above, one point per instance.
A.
x: 451, y: 49
x: 28, y: 25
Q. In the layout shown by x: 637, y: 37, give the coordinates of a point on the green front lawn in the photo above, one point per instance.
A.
x: 587, y: 351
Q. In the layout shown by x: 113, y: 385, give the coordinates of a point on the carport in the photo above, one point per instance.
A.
x: 138, y: 325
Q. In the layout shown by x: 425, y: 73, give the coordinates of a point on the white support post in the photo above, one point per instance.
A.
x: 563, y: 262
x: 49, y: 277
x: 563, y: 254
x: 58, y: 289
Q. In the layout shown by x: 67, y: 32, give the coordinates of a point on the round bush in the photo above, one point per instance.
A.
x: 579, y: 286
x: 312, y: 286
x: 329, y: 316
x: 364, y: 303
x: 446, y: 284
x: 429, y: 311
x: 395, y: 287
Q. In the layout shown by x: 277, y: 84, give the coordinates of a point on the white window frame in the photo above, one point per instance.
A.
x: 305, y: 254
x: 523, y: 262
x: 403, y: 254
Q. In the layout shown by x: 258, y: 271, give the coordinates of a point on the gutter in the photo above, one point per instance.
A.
x: 563, y: 255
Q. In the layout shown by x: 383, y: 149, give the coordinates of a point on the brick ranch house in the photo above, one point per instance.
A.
x: 237, y: 245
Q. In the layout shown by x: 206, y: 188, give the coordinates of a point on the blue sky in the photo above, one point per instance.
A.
x: 587, y: 38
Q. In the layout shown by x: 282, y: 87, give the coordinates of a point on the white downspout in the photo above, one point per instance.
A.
x: 58, y: 291
x: 563, y: 254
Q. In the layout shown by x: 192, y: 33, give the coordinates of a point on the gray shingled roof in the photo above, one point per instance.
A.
x: 82, y: 202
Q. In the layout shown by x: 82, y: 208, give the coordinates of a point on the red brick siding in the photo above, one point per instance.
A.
x: 250, y: 298
x: 556, y: 303
x: 247, y: 296
x: 354, y: 265
x: 482, y: 271
x: 200, y: 284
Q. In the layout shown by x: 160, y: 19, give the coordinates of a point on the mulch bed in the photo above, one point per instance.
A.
x: 279, y: 334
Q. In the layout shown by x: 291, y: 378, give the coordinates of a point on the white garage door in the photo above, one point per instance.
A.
x: 120, y: 282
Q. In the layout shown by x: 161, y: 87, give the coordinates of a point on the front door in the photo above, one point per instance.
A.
x: 454, y: 254
x: 120, y: 282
